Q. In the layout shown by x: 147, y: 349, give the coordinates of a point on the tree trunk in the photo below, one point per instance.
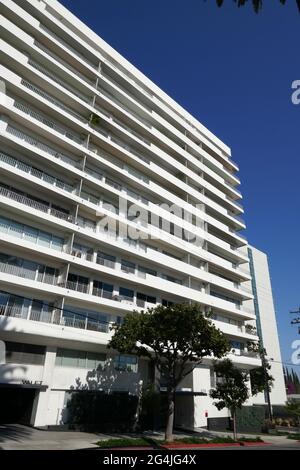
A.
x: 234, y: 424
x: 170, y: 416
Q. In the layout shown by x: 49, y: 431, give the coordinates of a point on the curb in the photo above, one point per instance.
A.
x: 251, y: 444
x: 127, y: 448
x: 195, y: 446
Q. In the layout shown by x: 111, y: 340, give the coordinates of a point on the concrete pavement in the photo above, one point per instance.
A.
x: 18, y: 437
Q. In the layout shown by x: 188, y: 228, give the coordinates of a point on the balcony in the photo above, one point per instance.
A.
x: 67, y: 46
x: 125, y: 108
x: 60, y: 82
x: 45, y: 148
x: 77, y: 286
x: 28, y: 270
x: 105, y: 262
x: 48, y: 122
x: 30, y: 234
x: 54, y: 317
x: 32, y: 203
x: 100, y: 292
x: 52, y: 100
x: 236, y: 217
x: 64, y: 64
x: 18, y: 164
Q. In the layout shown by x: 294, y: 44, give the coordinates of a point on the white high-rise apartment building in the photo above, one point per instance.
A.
x: 85, y: 136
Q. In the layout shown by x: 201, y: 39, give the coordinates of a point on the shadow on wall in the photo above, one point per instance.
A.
x: 107, y: 379
x: 106, y: 401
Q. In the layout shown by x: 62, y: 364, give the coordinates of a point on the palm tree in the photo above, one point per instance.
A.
x: 257, y: 4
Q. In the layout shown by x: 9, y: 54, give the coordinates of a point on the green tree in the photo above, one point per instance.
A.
x: 257, y: 4
x: 175, y: 338
x: 231, y: 389
x: 261, y: 379
x: 293, y: 407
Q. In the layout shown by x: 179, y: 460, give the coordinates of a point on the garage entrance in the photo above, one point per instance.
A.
x: 16, y: 404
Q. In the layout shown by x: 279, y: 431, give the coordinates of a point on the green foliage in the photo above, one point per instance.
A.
x: 96, y: 411
x: 232, y: 391
x: 293, y: 407
x: 260, y: 379
x: 141, y: 442
x: 175, y: 338
x: 153, y: 409
x: 203, y: 440
x: 295, y: 437
x: 94, y: 119
x: 250, y: 439
x: 126, y: 442
x: 257, y: 4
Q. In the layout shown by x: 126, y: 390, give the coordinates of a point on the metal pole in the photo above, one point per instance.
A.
x: 267, y: 391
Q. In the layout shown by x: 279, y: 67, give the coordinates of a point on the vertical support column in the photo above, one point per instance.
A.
x: 41, y: 410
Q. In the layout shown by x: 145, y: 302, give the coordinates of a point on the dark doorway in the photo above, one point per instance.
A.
x: 16, y: 405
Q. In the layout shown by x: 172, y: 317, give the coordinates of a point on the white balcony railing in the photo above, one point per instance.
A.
x: 54, y: 101
x: 48, y: 122
x: 60, y: 82
x: 45, y: 148
x: 35, y: 172
x: 29, y: 202
x: 55, y: 317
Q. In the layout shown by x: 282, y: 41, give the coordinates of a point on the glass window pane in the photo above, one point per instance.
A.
x: 108, y: 287
x: 126, y: 292
x: 57, y: 243
x: 44, y: 239
x: 82, y: 359
x: 70, y: 358
x: 3, y: 302
x: 16, y: 230
x: 30, y: 234
x: 4, y: 224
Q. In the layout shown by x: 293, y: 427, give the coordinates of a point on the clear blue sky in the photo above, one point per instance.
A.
x: 232, y: 70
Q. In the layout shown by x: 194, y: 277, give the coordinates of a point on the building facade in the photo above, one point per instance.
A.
x: 93, y: 155
x: 263, y: 305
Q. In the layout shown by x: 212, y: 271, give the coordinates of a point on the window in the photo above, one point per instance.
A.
x: 142, y: 298
x: 106, y: 260
x: 57, y: 243
x: 86, y: 319
x: 16, y: 230
x: 237, y: 345
x: 145, y: 270
x: 30, y: 234
x: 125, y: 363
x: 20, y: 353
x: 127, y: 266
x: 126, y: 293
x: 80, y: 359
x: 172, y: 279
x: 102, y: 289
x: 167, y: 303
x: 78, y: 283
x: 44, y: 239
